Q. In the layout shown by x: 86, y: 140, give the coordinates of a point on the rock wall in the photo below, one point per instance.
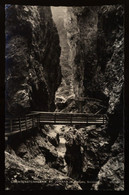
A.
x: 32, y: 163
x: 65, y: 91
x: 33, y: 73
x: 111, y: 175
x: 110, y: 51
x: 91, y: 156
x: 95, y: 36
x: 81, y: 26
x: 96, y: 39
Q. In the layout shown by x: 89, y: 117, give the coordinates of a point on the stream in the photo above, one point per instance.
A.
x: 61, y: 149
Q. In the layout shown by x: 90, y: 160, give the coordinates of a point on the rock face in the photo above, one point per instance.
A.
x: 81, y: 26
x: 32, y: 163
x: 110, y: 50
x: 33, y: 72
x: 25, y: 176
x: 111, y: 175
x: 65, y: 91
x: 92, y: 148
x: 91, y: 157
x: 95, y: 37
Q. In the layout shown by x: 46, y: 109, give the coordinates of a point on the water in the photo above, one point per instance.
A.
x: 61, y: 149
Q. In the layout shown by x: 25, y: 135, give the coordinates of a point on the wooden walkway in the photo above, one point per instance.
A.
x: 35, y: 119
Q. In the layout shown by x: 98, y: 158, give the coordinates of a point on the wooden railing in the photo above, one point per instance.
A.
x: 70, y: 118
x: 36, y: 118
x: 14, y: 125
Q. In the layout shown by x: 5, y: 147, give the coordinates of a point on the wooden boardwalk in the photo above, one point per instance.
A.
x: 35, y: 119
x: 70, y: 118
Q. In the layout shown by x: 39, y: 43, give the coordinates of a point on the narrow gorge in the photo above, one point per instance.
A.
x: 65, y: 60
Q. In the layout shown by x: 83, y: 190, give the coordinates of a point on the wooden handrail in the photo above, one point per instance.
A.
x: 34, y: 119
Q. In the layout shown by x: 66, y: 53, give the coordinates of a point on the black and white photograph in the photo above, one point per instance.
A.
x: 64, y: 97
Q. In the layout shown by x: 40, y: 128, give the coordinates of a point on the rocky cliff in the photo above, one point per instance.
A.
x: 81, y: 26
x: 95, y: 37
x: 65, y: 91
x: 96, y: 40
x: 32, y: 163
x: 33, y: 73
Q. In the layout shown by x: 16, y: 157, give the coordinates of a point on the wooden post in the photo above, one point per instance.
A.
x: 20, y: 123
x: 103, y: 119
x: 11, y: 127
x: 81, y: 107
x: 55, y: 117
x: 26, y: 122
x: 94, y: 118
x: 71, y: 118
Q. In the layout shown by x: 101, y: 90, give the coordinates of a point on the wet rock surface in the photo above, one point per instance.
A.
x: 91, y: 157
x: 35, y: 164
x: 92, y: 148
x: 31, y: 36
x: 111, y: 175
x: 81, y: 28
x: 23, y: 175
x: 97, y: 57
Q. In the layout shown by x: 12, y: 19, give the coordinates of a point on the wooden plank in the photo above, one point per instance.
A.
x: 23, y: 127
x: 22, y: 121
x: 47, y: 117
x: 79, y: 118
x: 11, y: 133
x: 68, y: 122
